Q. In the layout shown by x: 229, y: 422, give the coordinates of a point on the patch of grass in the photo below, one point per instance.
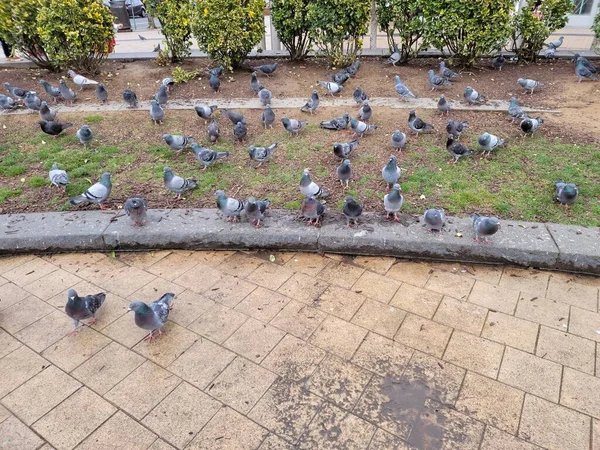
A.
x: 6, y: 193
x: 37, y: 182
x: 96, y: 118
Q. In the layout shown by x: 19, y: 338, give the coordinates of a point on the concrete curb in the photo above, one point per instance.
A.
x: 549, y: 246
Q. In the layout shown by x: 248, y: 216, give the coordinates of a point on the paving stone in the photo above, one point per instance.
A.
x: 189, y: 307
x: 262, y: 304
x: 376, y: 286
x: 74, y: 262
x: 40, y: 394
x: 270, y: 276
x: 8, y: 344
x: 71, y: 351
x: 307, y: 263
x: 474, y: 353
x: 482, y: 272
x: 509, y: 330
x: 229, y: 291
x: 46, y: 331
x: 180, y: 416
x: 10, y: 262
x: 595, y: 434
x: 491, y: 402
x: 163, y: 350
x: 30, y: 271
x: 200, y: 278
x: 415, y: 273
x: 531, y: 374
x: 120, y: 279
x: 174, y: 265
x: 124, y: 331
x: 567, y: 349
x: 382, y: 356
x: 229, y: 430
x: 543, y: 311
x: 11, y: 294
x: 379, y: 317
x: 416, y: 300
x: 338, y: 337
x: 425, y: 335
x: 16, y: 436
x: 210, y: 258
x: 339, y: 302
x: 442, y: 379
x: 449, y: 284
x: 495, y: 439
x: 18, y: 367
x: 378, y: 264
x: 298, y: 319
x: 273, y: 442
x: 143, y: 260
x: 554, y: 427
x: 494, y: 297
x: 581, y: 392
x: 304, y: 288
x: 566, y: 288
x: 155, y: 289
x: 240, y: 264
x: 293, y: 358
x: 52, y: 284
x: 58, y: 426
x: 386, y: 441
x: 159, y: 444
x: 254, y: 340
x: 24, y: 313
x: 585, y: 324
x: 525, y: 280
x: 461, y: 315
x: 341, y: 274
x: 120, y: 431
x: 136, y: 395
x: 218, y: 323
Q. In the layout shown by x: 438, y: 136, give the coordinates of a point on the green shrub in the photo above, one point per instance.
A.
x: 529, y: 32
x: 338, y: 27
x: 596, y: 25
x: 405, y: 19
x: 468, y: 29
x: 182, y: 76
x: 175, y: 21
x: 290, y: 20
x: 228, y: 29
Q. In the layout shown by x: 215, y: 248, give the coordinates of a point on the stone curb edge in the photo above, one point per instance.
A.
x: 550, y: 246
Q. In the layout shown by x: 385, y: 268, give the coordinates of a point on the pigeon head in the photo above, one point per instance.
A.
x: 135, y: 203
x: 468, y: 90
x: 411, y: 113
x: 167, y: 170
x: 105, y: 178
x: 398, y: 79
x: 251, y: 200
x: 54, y: 166
x: 41, y: 122
x: 540, y: 120
x: 442, y: 97
x: 154, y: 103
x: 137, y: 307
x: 71, y: 295
x: 520, y: 81
x: 397, y: 187
x: 305, y: 172
x: 220, y: 193
x: 348, y: 199
x: 570, y: 191
x: 63, y: 83
x: 346, y: 162
x: 392, y: 159
x: 430, y: 72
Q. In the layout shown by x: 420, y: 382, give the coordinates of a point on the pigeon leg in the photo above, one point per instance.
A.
x: 257, y: 223
x: 178, y: 196
x: 160, y: 332
x: 149, y: 336
x: 92, y: 322
x: 75, y: 330
x: 396, y: 218
x: 103, y: 206
x: 486, y: 241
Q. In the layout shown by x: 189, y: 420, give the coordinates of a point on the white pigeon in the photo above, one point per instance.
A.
x: 80, y: 80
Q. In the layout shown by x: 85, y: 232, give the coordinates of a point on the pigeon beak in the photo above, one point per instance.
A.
x: 129, y: 309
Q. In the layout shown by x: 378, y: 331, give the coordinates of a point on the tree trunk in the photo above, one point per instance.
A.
x: 150, y: 17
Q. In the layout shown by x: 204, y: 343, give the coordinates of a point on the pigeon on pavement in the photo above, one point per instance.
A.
x: 313, y: 210
x: 360, y: 96
x: 83, y: 308
x: 136, y: 209
x: 130, y: 98
x: 472, y: 97
x: 515, y: 111
x: 153, y: 316
x: 265, y: 96
x: 97, y: 193
x: 484, y: 226
x: 443, y: 106
x: 556, y: 44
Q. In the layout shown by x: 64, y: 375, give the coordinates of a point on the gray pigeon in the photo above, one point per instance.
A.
x: 360, y: 128
x: 313, y: 210
x: 153, y: 316
x: 489, y: 142
x: 217, y: 71
x: 498, y: 62
x: 136, y: 209
x: 352, y: 69
x: 101, y: 93
x: 32, y: 101
x: 309, y: 188
x: 52, y: 91
x: 255, y: 210
x: 447, y: 73
x: 240, y: 130
x: 233, y: 116
x: 586, y: 63
x: 293, y: 125
x: 529, y: 84
x: 177, y: 142
x: 83, y: 308
x: 254, y: 83
x: 204, y: 112
x: 402, y: 90
x: 229, y: 207
x: 351, y: 210
x: 360, y: 96
x: 484, y: 226
x: 161, y: 96
x: 261, y: 154
x: 583, y: 72
x: 339, y: 123
x: 515, y: 111
x: 332, y: 88
x: 416, y: 124
x: 456, y: 128
x: 437, y: 82
x: 66, y: 92
x: 168, y: 82
x: 267, y: 69
x: 85, y: 136
x: 130, y: 98
x: 392, y: 203
x: 58, y: 177
x: 214, y: 82
x: 340, y: 77
x: 566, y: 193
x: 391, y: 172
x: 529, y: 125
x: 365, y: 112
x: 212, y: 130
x: 312, y: 104
x: 6, y: 102
x: 206, y: 156
x: 156, y: 112
x: 177, y: 184
x: 264, y: 95
x: 46, y: 113
x: 156, y: 48
x: 80, y: 80
x: 15, y: 91
x: 398, y: 140
x: 343, y: 149
x: 268, y: 117
x: 550, y: 53
x: 443, y: 106
x: 97, y: 193
x: 344, y: 173
x: 555, y: 44
x: 53, y: 128
x: 434, y: 219
x: 394, y: 57
x: 456, y: 149
x: 472, y: 97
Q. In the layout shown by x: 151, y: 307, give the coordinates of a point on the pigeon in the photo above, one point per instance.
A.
x: 53, y: 128
x: 153, y: 316
x: 402, y: 90
x: 498, y: 62
x: 340, y: 77
x: 529, y: 125
x: 240, y: 130
x: 352, y: 69
x: 97, y: 193
x: 332, y: 88
x: 156, y: 112
x: 343, y: 149
x: 264, y: 95
x: 101, y: 93
x: 15, y: 91
x: 339, y: 123
x: 267, y: 69
x: 235, y: 117
x: 447, y: 73
x: 268, y: 117
x: 58, y: 177
x: 309, y: 188
x: 443, y: 106
x: 206, y: 156
x: 32, y: 101
x: 416, y: 124
x: 391, y: 172
x: 261, y: 154
x: 472, y: 97
x: 344, y: 173
x: 161, y: 96
x: 168, y: 82
x: 515, y: 111
x: 177, y: 142
x: 204, y: 112
x: 80, y: 80
x: 214, y: 82
x: 365, y: 112
x: 530, y: 85
x: 456, y: 128
x: 156, y: 48
x: 360, y: 128
x: 312, y: 104
x: 52, y: 91
x: 484, y: 226
x: 351, y: 210
x: 130, y: 98
x: 217, y: 71
x: 583, y: 72
x: 489, y: 142
x: 566, y: 193
x: 85, y: 136
x: 293, y: 125
x: 212, y: 130
x: 7, y: 102
x: 255, y: 210
x: 550, y: 53
x: 394, y: 57
x: 437, y: 82
x: 229, y: 207
x: 434, y: 219
x: 66, y: 92
x: 456, y: 149
x: 254, y: 83
x: 360, y: 96
x: 142, y: 38
x: 398, y: 140
x: 392, y: 203
x: 83, y: 308
x: 592, y: 68
x: 136, y: 209
x: 313, y: 210
x: 555, y: 44
x: 177, y: 184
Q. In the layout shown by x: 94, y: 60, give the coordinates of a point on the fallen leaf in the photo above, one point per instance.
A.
x: 422, y: 197
x: 459, y: 235
x: 272, y: 258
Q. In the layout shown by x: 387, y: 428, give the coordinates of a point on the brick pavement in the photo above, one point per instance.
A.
x: 308, y: 352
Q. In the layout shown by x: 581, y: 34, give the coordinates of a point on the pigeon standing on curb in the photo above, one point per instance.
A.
x: 136, y: 209
x: 130, y: 98
x: 313, y: 210
x: 351, y: 210
x: 515, y: 111
x: 392, y: 203
x: 434, y: 219
x: 484, y: 226
x: 265, y: 96
x: 83, y: 308
x: 230, y: 208
x: 153, y: 316
x: 472, y: 97
x: 443, y: 106
x: 255, y: 210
